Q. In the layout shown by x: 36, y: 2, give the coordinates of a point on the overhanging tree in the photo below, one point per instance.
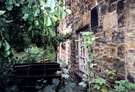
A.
x: 23, y: 22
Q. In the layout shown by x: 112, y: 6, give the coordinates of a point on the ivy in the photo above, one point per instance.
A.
x: 124, y: 86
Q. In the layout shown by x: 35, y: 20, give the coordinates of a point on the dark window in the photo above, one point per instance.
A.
x: 94, y: 17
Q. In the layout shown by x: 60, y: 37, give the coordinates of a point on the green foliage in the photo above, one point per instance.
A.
x: 63, y: 37
x: 12, y: 89
x: 124, y: 86
x: 29, y: 16
x: 7, y: 83
x: 111, y: 74
x: 48, y: 88
x: 6, y: 45
x: 57, y: 86
x: 87, y: 39
x: 68, y: 11
x: 2, y: 12
x: 50, y: 53
x: 34, y: 54
x: 83, y: 84
x: 62, y: 64
x: 100, y: 81
x: 100, y: 84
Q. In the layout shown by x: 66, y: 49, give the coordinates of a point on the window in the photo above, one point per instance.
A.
x: 94, y: 18
x: 64, y: 52
x: 82, y: 52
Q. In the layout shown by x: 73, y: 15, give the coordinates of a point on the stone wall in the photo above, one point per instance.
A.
x: 115, y: 47
x: 130, y: 41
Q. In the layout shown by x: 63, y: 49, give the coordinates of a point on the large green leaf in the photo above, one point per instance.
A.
x: 119, y: 88
x: 36, y: 11
x: 56, y: 81
x: 36, y: 23
x: 97, y: 87
x: 83, y: 84
x: 51, y: 4
x: 44, y: 81
x: 58, y: 11
x: 42, y: 3
x: 2, y: 12
x: 38, y: 87
x: 25, y: 10
x: 6, y: 53
x: 63, y: 14
x: 9, y: 6
x: 48, y: 3
x: 66, y: 76
x: 30, y: 18
x: 25, y: 17
x: 30, y: 28
x: 48, y: 21
x: 9, y: 1
x: 68, y: 11
x: 70, y: 86
x: 7, y: 46
x: 52, y: 31
x: 54, y: 18
x: 104, y: 89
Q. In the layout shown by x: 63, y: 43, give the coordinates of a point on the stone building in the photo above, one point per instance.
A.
x: 113, y: 22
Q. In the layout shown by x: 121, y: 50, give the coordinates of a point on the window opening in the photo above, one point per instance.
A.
x: 82, y: 52
x: 94, y: 18
x: 64, y: 54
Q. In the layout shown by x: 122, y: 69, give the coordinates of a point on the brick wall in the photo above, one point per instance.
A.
x: 115, y: 47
